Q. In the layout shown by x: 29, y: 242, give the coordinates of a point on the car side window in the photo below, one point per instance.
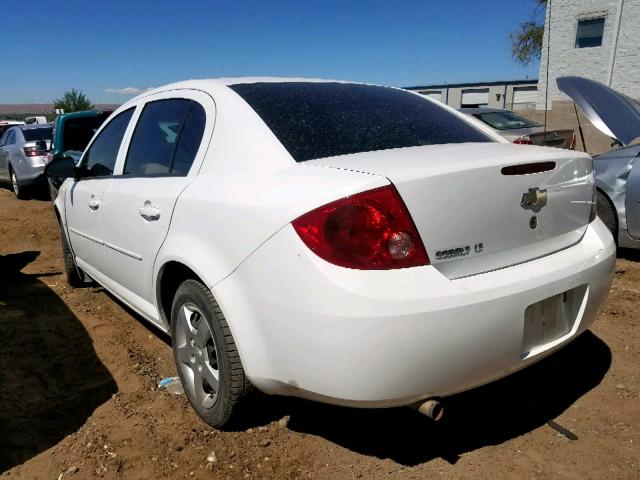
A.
x: 166, y: 138
x: 11, y: 138
x: 100, y: 159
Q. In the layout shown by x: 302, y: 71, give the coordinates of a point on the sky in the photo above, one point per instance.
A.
x: 114, y: 49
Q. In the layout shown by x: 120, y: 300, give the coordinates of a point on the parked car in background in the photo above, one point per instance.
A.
x: 617, y: 172
x: 23, y: 156
x: 71, y: 134
x: 5, y: 124
x: 348, y: 243
x: 38, y: 120
x: 521, y: 130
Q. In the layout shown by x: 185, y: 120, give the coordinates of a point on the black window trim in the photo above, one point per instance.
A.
x: 175, y: 148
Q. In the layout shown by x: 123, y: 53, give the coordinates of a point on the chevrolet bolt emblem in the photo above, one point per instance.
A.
x: 534, y: 199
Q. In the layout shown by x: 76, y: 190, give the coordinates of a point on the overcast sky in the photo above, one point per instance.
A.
x: 115, y: 49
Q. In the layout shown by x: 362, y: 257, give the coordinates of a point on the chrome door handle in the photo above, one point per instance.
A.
x: 94, y: 204
x: 149, y: 212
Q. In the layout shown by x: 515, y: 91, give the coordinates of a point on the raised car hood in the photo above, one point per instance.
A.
x: 611, y: 112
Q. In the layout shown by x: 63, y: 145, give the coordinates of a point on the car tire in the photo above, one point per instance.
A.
x: 607, y: 214
x: 74, y: 278
x: 53, y: 191
x: 18, y: 190
x: 205, y: 354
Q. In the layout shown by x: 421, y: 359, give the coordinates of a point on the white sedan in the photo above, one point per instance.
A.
x: 348, y: 243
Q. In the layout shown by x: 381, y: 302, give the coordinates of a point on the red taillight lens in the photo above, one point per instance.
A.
x: 523, y: 140
x: 33, y: 151
x: 573, y: 141
x: 368, y: 231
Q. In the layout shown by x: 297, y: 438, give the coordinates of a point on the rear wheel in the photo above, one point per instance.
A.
x: 607, y: 214
x: 206, y: 355
x: 18, y: 189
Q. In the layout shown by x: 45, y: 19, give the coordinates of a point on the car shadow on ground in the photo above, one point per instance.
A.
x: 632, y: 254
x: 488, y: 415
x: 50, y: 377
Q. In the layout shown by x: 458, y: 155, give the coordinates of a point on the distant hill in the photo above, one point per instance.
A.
x: 24, y: 109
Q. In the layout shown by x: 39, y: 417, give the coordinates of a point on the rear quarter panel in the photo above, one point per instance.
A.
x: 219, y: 221
x: 611, y: 172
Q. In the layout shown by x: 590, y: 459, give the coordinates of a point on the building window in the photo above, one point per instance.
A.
x: 589, y: 33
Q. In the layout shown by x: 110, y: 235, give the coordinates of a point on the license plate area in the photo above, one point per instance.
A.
x: 551, y: 318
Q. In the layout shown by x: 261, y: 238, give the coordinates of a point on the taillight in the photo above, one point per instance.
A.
x: 523, y: 140
x: 573, y: 141
x: 368, y: 231
x: 33, y: 151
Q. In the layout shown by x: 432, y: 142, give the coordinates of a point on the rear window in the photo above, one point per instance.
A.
x: 317, y: 120
x: 505, y: 120
x: 31, y: 134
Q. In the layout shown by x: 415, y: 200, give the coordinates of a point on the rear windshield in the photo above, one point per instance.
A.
x: 31, y: 134
x: 317, y: 120
x: 505, y: 120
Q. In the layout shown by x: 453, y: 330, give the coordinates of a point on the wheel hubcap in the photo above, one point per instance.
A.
x: 197, y: 356
x: 14, y: 182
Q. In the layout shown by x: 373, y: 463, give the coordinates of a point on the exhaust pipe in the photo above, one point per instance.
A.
x: 431, y: 408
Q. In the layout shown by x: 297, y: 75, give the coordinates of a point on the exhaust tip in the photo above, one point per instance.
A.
x: 431, y: 408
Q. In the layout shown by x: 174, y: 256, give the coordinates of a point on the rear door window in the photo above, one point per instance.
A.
x: 325, y: 119
x: 33, y: 134
x: 101, y: 157
x: 166, y: 139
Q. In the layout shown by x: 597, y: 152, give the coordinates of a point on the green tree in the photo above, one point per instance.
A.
x: 526, y: 41
x: 73, y: 101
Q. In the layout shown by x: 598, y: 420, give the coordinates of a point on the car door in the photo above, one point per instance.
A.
x: 632, y: 199
x: 83, y: 198
x: 163, y: 156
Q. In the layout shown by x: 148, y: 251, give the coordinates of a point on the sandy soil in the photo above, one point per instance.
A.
x: 78, y: 396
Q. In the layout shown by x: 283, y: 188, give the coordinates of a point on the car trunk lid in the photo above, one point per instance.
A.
x: 473, y: 214
x: 611, y: 112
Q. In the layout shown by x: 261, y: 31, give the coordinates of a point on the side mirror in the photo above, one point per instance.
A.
x: 59, y: 169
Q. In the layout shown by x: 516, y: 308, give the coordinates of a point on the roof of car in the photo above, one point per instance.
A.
x: 83, y: 113
x: 215, y: 83
x: 35, y: 126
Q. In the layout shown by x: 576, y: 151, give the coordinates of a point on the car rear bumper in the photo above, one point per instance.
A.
x: 31, y: 175
x: 385, y: 338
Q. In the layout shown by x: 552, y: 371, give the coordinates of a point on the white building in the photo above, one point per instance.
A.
x: 596, y: 39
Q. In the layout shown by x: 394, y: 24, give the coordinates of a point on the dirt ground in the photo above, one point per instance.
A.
x: 79, y: 397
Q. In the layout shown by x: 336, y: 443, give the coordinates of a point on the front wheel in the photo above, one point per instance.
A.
x: 74, y: 278
x: 206, y: 355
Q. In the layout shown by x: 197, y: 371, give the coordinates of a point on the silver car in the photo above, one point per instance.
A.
x: 617, y: 172
x: 23, y: 156
x: 521, y: 130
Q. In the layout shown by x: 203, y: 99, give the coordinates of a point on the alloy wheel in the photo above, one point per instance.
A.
x: 197, y: 356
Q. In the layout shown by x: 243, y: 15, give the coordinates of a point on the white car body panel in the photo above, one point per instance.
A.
x: 388, y: 338
x: 306, y: 327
